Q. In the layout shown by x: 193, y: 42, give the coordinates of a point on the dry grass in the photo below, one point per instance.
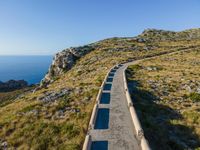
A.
x: 163, y: 91
x: 28, y: 123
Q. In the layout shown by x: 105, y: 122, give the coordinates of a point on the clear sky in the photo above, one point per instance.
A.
x: 31, y: 27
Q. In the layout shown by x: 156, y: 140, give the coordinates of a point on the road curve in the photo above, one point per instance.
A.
x: 120, y: 133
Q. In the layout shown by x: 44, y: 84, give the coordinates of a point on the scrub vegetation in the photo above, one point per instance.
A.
x: 166, y: 94
x: 49, y: 119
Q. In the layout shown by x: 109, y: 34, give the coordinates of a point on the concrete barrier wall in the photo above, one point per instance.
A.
x: 136, y: 122
x: 101, y: 88
x: 95, y: 109
x: 93, y: 116
x: 139, y: 131
x: 145, y: 144
x: 88, y: 141
x: 99, y: 95
x: 128, y: 97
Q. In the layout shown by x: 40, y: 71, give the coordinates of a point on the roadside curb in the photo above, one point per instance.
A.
x: 88, y: 140
x: 139, y: 131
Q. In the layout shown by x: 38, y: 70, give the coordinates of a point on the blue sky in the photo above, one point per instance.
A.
x: 40, y: 27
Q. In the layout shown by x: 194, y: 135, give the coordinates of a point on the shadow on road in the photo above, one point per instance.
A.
x: 107, y: 87
x: 99, y: 145
x: 109, y: 80
x: 105, y: 98
x: 102, y: 121
x: 111, y: 74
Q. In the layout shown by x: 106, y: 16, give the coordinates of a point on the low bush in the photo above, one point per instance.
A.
x: 195, y: 97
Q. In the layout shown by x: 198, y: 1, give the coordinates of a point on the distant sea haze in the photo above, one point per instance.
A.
x: 29, y: 68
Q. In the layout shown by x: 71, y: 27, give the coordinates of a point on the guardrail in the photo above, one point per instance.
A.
x: 139, y: 131
x: 88, y: 141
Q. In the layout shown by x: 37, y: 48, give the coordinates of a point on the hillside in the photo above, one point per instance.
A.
x: 166, y: 95
x: 57, y: 113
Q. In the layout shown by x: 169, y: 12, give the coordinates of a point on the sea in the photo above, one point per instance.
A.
x: 29, y: 68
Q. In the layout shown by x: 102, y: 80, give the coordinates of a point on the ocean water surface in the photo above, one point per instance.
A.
x: 29, y: 68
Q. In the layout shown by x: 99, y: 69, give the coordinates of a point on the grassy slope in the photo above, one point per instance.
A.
x: 170, y: 114
x: 28, y: 123
x: 8, y: 97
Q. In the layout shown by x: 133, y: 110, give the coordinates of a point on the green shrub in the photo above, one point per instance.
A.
x: 40, y: 128
x: 71, y: 130
x: 195, y: 97
x: 28, y: 108
x: 42, y: 142
x: 63, y: 103
x: 73, y: 147
x: 54, y: 129
x: 135, y: 67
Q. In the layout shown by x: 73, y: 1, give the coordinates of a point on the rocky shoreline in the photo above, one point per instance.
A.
x: 12, y: 85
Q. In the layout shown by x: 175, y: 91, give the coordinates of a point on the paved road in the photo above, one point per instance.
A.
x: 120, y: 134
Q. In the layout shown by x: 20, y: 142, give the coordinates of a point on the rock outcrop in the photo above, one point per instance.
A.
x: 64, y: 60
x: 12, y: 85
x: 163, y: 35
x: 53, y: 95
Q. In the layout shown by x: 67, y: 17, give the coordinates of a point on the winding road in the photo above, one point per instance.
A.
x: 120, y: 132
x: 113, y: 127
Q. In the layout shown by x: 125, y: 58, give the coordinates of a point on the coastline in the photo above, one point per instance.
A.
x: 31, y: 68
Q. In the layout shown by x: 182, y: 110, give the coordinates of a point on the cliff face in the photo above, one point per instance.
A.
x: 64, y: 60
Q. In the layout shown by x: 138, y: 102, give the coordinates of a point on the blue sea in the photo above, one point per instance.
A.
x: 29, y: 68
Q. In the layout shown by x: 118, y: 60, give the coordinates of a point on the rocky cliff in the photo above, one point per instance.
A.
x: 12, y: 85
x: 64, y: 60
